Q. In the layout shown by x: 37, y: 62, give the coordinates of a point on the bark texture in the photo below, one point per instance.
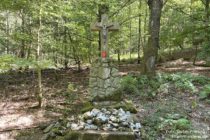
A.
x: 151, y: 50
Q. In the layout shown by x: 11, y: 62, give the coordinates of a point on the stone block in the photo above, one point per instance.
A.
x: 102, y: 85
x: 97, y: 135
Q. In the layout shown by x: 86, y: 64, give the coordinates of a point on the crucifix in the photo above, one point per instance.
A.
x: 104, y: 27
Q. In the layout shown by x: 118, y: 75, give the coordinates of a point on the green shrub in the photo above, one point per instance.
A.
x: 183, y: 81
x: 129, y: 85
x: 182, y: 124
x: 71, y: 87
x: 149, y: 87
x: 205, y: 93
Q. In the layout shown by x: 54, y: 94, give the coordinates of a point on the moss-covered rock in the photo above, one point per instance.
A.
x: 126, y: 105
x: 72, y: 135
x: 93, y: 135
x: 60, y: 138
x: 115, y: 96
x: 120, y: 137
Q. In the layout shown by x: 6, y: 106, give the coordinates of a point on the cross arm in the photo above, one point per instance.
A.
x: 95, y: 26
x: 114, y: 26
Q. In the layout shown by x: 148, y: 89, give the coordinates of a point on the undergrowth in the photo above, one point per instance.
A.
x: 162, y: 83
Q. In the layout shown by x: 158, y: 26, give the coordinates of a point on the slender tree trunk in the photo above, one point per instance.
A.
x: 207, y: 4
x: 139, y: 38
x: 130, y: 36
x: 151, y: 51
x: 89, y: 49
x: 118, y: 56
x: 207, y: 11
x: 30, y: 47
x: 145, y: 28
x: 22, y: 51
x: 39, y: 71
x: 207, y: 38
x: 196, y: 54
x: 90, y: 42
x: 65, y: 46
x: 194, y: 44
x: 7, y: 32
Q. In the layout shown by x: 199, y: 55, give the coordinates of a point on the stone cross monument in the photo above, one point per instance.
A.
x: 104, y: 27
x: 104, y: 78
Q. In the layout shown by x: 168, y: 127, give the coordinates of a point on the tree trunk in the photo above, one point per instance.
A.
x: 118, y: 56
x: 65, y: 46
x: 130, y: 35
x: 139, y: 41
x: 7, y: 32
x: 31, y: 42
x: 39, y: 71
x: 145, y: 28
x: 151, y: 51
x: 207, y: 17
x: 207, y: 11
x: 22, y: 50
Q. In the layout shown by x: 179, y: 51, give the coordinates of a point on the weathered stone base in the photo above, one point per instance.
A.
x: 104, y: 82
x: 97, y: 135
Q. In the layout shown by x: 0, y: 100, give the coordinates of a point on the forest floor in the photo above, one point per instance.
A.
x: 19, y: 114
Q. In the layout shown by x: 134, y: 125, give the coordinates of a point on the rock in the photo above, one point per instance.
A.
x: 46, y: 136
x: 108, y: 127
x: 128, y: 113
x: 71, y: 119
x: 95, y: 112
x: 115, y: 124
x: 121, y: 112
x: 46, y: 130
x: 113, y: 118
x: 125, y: 124
x: 52, y: 135
x: 81, y: 123
x: 128, y: 106
x: 68, y: 125
x: 123, y: 118
x: 103, y: 110
x: 108, y: 112
x: 114, y: 129
x: 137, y: 126
x: 132, y: 126
x: 44, y: 125
x: 74, y: 126
x: 91, y: 127
x: 137, y: 135
x: 80, y: 127
x: 107, y: 120
x: 88, y: 115
x: 57, y: 124
x: 102, y: 118
x: 89, y: 121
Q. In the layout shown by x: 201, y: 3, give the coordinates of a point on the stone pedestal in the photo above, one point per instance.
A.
x: 96, y: 135
x: 104, y: 82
